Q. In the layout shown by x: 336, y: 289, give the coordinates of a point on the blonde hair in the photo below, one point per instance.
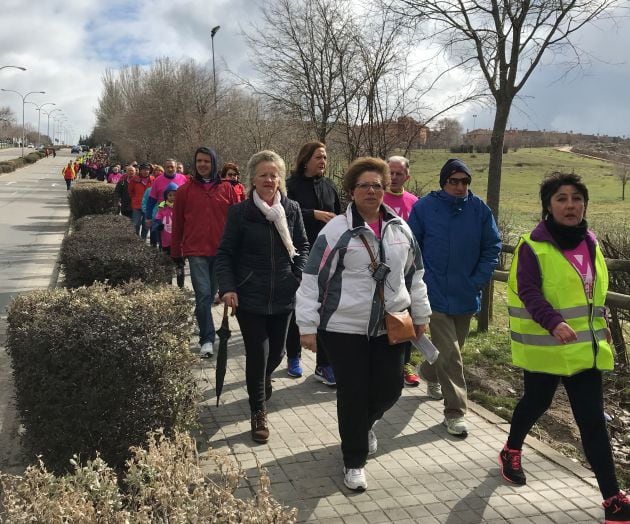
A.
x: 265, y: 156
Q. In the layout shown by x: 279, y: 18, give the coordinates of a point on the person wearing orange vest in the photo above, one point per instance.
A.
x: 556, y: 294
x: 68, y: 175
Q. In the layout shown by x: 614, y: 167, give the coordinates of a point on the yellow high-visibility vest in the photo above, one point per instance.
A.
x: 533, y: 347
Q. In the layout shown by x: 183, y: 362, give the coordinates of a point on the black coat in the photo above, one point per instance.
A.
x: 316, y: 191
x: 253, y: 262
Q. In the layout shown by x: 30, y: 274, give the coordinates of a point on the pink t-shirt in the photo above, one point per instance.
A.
x: 376, y: 227
x: 580, y: 258
x: 401, y: 204
x: 160, y: 183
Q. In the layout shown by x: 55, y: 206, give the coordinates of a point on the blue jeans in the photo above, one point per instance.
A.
x: 137, y: 217
x: 203, y: 282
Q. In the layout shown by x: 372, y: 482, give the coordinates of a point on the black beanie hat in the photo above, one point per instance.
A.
x: 453, y: 165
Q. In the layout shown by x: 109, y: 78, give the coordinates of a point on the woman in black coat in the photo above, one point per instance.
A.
x: 259, y: 268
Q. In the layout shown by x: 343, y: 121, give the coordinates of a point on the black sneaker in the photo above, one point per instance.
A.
x: 617, y: 509
x: 510, y: 462
x: 268, y: 387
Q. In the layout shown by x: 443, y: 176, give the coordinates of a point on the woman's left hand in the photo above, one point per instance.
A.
x: 420, y: 329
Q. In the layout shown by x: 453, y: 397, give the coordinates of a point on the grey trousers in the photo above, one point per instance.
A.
x: 448, y: 334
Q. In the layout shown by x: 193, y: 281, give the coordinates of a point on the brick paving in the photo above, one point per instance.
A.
x: 419, y: 474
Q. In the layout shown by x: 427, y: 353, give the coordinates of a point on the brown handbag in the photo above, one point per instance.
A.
x: 399, y: 326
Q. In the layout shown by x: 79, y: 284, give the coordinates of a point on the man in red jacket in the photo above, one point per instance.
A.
x: 199, y: 217
x: 138, y: 184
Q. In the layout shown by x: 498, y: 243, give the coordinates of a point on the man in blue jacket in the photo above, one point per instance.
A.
x: 460, y: 245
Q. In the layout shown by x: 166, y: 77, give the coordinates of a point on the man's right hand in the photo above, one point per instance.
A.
x: 231, y: 299
x: 323, y: 216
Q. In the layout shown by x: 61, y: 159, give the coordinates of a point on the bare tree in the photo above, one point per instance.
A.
x: 504, y: 41
x: 301, y: 51
x: 446, y: 133
x: 622, y: 172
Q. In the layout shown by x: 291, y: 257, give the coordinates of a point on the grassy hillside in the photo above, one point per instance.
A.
x: 522, y: 173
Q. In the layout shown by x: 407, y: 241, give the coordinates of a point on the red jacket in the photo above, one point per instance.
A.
x: 137, y: 186
x: 199, y: 218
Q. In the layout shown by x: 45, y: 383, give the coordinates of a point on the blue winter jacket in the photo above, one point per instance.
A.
x: 460, y: 245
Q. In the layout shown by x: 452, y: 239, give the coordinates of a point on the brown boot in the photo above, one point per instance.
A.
x: 260, y: 431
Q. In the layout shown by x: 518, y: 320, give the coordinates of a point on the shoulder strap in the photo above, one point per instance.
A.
x: 374, y: 265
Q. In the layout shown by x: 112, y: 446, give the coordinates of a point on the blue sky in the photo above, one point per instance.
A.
x: 70, y: 43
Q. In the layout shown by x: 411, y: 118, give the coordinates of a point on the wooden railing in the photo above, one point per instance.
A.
x: 613, y: 299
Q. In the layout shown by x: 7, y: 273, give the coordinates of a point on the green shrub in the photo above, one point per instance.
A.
x: 31, y: 158
x: 91, y: 197
x: 104, y: 248
x: 164, y: 484
x: 96, y: 368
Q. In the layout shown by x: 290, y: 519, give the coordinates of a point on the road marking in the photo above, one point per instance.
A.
x: 12, y: 182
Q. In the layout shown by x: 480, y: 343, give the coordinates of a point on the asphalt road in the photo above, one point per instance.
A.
x: 33, y: 219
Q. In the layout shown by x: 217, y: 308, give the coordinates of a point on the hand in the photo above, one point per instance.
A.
x: 309, y: 342
x: 323, y: 216
x: 608, y: 336
x: 231, y: 299
x: 564, y: 333
x: 147, y: 223
x: 421, y: 329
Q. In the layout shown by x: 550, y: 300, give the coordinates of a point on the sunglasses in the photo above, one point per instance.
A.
x: 365, y: 186
x: 458, y: 181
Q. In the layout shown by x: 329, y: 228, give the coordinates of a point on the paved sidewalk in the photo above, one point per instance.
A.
x: 420, y: 473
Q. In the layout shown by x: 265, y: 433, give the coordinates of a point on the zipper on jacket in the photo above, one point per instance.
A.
x: 273, y: 268
x: 594, y: 344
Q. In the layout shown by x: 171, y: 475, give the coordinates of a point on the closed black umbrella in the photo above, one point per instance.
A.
x: 224, y: 334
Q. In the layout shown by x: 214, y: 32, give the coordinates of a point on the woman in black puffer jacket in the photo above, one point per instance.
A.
x: 259, y: 267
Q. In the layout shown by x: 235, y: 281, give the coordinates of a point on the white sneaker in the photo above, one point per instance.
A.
x: 206, y: 350
x: 435, y: 390
x: 354, y: 479
x: 456, y: 426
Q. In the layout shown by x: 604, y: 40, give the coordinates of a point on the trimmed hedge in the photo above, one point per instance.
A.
x: 97, y: 368
x: 104, y: 248
x: 91, y: 197
x: 8, y: 166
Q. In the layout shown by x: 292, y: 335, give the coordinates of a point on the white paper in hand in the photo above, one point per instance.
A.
x: 426, y: 347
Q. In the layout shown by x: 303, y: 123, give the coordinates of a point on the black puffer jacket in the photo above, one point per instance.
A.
x: 253, y: 262
x: 313, y: 193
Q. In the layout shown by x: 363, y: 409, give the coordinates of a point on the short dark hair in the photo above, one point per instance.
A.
x: 360, y: 166
x: 227, y: 166
x: 552, y: 182
x: 304, y: 155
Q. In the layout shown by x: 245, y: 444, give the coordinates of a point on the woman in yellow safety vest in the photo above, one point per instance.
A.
x: 556, y: 293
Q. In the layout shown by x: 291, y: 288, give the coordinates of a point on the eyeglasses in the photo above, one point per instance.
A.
x: 365, y: 186
x: 458, y: 181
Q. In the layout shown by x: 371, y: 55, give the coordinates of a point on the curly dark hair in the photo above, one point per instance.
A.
x: 360, y: 166
x: 552, y: 182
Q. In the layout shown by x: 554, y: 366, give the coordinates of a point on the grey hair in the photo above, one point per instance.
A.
x: 265, y: 156
x: 404, y: 161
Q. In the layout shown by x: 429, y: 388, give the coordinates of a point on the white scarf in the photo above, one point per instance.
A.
x: 276, y: 214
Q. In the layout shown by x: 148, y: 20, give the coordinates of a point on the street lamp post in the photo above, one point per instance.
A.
x: 38, y: 108
x: 213, y: 32
x: 474, y: 122
x: 23, y: 104
x: 48, y: 113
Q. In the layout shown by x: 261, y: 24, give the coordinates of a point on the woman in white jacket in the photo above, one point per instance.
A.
x: 339, y: 305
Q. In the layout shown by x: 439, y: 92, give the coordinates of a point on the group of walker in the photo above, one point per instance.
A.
x: 300, y: 273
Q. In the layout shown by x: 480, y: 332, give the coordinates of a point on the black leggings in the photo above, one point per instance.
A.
x: 369, y: 382
x: 585, y: 394
x: 264, y: 337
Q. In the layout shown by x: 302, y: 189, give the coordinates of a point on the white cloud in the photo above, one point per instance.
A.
x: 66, y: 45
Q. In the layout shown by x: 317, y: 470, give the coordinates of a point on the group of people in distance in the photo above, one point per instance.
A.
x: 301, y: 272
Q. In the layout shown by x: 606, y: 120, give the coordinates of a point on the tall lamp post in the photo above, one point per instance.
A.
x: 23, y: 97
x: 48, y: 113
x: 38, y: 108
x: 213, y: 32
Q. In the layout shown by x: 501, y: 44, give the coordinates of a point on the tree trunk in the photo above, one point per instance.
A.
x: 493, y: 195
x: 618, y: 341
